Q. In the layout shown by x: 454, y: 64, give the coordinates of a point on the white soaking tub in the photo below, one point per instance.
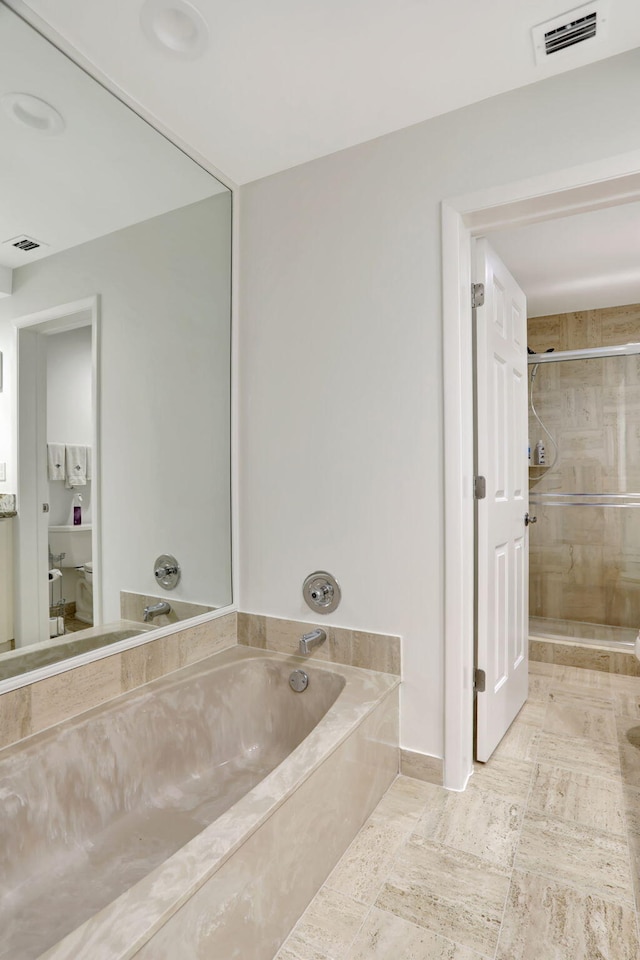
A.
x: 194, y: 817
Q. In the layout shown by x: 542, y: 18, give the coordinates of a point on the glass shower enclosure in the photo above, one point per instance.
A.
x: 584, y: 550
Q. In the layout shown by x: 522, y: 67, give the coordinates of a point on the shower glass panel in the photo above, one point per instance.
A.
x: 585, y: 547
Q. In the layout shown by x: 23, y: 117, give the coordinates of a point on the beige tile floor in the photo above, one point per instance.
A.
x: 536, y: 860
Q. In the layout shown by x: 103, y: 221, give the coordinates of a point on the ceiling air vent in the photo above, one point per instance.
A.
x: 585, y: 24
x: 24, y: 243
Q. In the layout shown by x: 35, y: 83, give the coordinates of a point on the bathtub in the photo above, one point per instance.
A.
x: 194, y: 817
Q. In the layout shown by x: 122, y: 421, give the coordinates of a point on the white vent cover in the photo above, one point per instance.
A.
x: 24, y: 243
x: 584, y: 25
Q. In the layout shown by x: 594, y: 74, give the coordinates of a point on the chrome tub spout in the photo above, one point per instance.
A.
x: 310, y: 640
x: 156, y: 610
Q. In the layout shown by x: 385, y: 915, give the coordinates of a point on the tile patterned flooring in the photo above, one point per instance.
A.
x: 537, y: 860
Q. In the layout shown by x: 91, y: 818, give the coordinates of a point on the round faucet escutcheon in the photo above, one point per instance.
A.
x: 321, y: 592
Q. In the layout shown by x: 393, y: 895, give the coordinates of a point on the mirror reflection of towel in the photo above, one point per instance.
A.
x: 56, y: 461
x: 75, y: 465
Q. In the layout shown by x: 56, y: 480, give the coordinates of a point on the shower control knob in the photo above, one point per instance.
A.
x: 528, y: 519
x: 321, y: 592
x: 166, y: 570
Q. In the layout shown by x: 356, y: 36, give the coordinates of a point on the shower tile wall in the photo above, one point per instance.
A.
x: 585, y: 561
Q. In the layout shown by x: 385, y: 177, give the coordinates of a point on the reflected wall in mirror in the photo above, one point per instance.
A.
x: 115, y: 259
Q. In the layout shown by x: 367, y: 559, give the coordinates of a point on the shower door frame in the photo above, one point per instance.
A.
x: 606, y: 183
x: 601, y: 499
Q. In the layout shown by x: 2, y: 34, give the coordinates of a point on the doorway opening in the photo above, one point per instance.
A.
x: 517, y: 205
x: 58, y: 484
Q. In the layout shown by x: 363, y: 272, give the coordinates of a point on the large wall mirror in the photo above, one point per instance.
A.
x: 115, y: 263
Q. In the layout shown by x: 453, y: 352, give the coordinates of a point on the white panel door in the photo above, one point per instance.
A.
x: 501, y: 457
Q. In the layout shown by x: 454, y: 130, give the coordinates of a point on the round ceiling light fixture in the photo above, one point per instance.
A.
x: 33, y: 112
x: 176, y: 26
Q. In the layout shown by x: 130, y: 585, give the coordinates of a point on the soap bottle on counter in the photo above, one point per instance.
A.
x: 77, y: 510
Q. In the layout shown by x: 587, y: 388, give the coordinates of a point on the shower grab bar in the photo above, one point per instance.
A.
x: 588, y: 503
x: 543, y: 495
x: 588, y: 353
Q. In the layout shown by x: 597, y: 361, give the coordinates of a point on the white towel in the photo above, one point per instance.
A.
x: 55, y: 461
x: 89, y: 464
x: 76, y: 465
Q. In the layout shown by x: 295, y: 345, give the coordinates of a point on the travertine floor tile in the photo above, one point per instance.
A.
x: 568, y: 678
x: 545, y: 920
x: 595, y: 757
x: 387, y: 937
x: 478, y: 821
x: 578, y: 798
x: 520, y: 742
x: 632, y: 804
x: 534, y: 712
x: 629, y: 745
x: 405, y: 800
x: 505, y: 776
x: 363, y: 868
x: 539, y: 687
x: 330, y: 923
x: 628, y: 685
x: 451, y: 893
x: 538, y: 668
x: 627, y: 705
x: 297, y: 949
x: 569, y: 853
x: 571, y: 715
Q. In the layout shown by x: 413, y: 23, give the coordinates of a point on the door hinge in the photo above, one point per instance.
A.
x: 477, y: 295
x: 479, y: 488
x: 479, y: 681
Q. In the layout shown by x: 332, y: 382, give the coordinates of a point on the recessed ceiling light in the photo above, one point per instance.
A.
x: 32, y: 112
x: 176, y: 26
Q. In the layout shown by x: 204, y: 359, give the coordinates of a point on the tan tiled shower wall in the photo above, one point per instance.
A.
x: 585, y: 560
x: 354, y: 648
x: 36, y: 706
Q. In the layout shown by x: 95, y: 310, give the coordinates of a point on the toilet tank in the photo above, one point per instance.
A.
x: 74, y: 541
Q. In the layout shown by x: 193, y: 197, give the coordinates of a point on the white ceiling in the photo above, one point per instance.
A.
x: 582, y: 262
x: 290, y: 80
x: 107, y: 170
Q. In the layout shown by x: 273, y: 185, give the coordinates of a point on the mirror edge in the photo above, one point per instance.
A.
x: 121, y: 646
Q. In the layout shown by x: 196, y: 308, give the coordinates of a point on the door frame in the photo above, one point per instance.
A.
x: 605, y: 183
x: 58, y: 319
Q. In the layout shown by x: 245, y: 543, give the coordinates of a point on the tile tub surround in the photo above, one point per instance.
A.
x: 591, y: 657
x: 355, y: 648
x: 536, y: 860
x: 35, y: 655
x: 132, y: 608
x: 239, y: 885
x: 35, y: 706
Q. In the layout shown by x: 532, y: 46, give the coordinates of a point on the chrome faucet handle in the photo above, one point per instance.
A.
x: 166, y: 570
